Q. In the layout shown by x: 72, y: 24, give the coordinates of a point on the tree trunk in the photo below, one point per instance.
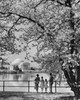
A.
x: 73, y: 83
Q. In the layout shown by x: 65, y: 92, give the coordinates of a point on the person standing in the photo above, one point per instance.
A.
x: 46, y: 85
x: 37, y: 80
x: 42, y: 84
x: 50, y: 82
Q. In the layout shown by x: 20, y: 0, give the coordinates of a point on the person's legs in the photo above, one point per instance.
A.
x: 37, y: 88
x: 50, y: 88
x: 45, y: 90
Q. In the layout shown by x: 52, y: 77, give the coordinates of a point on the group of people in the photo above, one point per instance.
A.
x: 43, y: 84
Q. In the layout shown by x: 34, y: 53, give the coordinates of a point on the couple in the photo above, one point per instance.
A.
x: 44, y: 84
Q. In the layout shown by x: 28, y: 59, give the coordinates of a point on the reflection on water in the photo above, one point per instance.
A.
x: 23, y: 78
x: 26, y: 76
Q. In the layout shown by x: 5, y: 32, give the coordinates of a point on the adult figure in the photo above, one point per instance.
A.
x: 37, y: 80
x: 42, y: 84
x: 46, y: 85
x: 50, y: 82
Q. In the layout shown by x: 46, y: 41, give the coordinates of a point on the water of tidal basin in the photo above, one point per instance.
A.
x: 18, y: 80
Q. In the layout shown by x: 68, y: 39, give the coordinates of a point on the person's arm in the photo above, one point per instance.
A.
x: 35, y: 80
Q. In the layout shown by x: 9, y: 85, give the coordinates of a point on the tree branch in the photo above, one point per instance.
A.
x: 13, y: 26
x: 78, y: 2
x: 40, y: 3
x: 66, y: 3
x: 21, y: 16
x: 60, y: 3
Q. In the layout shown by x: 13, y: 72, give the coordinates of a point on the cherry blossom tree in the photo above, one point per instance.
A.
x: 52, y: 24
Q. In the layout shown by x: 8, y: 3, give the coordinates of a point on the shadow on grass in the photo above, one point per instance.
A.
x: 32, y: 98
x: 28, y: 96
x: 66, y: 98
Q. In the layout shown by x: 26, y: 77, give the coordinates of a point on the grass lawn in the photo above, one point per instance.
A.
x: 34, y: 96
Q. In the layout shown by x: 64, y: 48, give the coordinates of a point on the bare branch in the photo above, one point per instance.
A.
x: 77, y: 2
x: 60, y: 3
x: 66, y: 3
x: 40, y: 3
x: 21, y: 16
x: 40, y: 37
x: 13, y: 26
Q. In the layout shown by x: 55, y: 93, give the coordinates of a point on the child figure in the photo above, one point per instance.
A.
x: 42, y: 84
x: 46, y: 85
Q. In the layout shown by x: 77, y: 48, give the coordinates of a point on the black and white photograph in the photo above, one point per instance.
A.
x: 39, y: 49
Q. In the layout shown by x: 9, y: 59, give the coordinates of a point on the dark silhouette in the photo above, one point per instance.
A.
x: 46, y: 85
x: 71, y: 75
x: 42, y: 84
x: 37, y: 80
x: 73, y: 46
x: 78, y: 75
x: 50, y: 82
x: 72, y: 79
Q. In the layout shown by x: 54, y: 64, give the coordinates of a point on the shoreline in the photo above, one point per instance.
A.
x: 23, y: 72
